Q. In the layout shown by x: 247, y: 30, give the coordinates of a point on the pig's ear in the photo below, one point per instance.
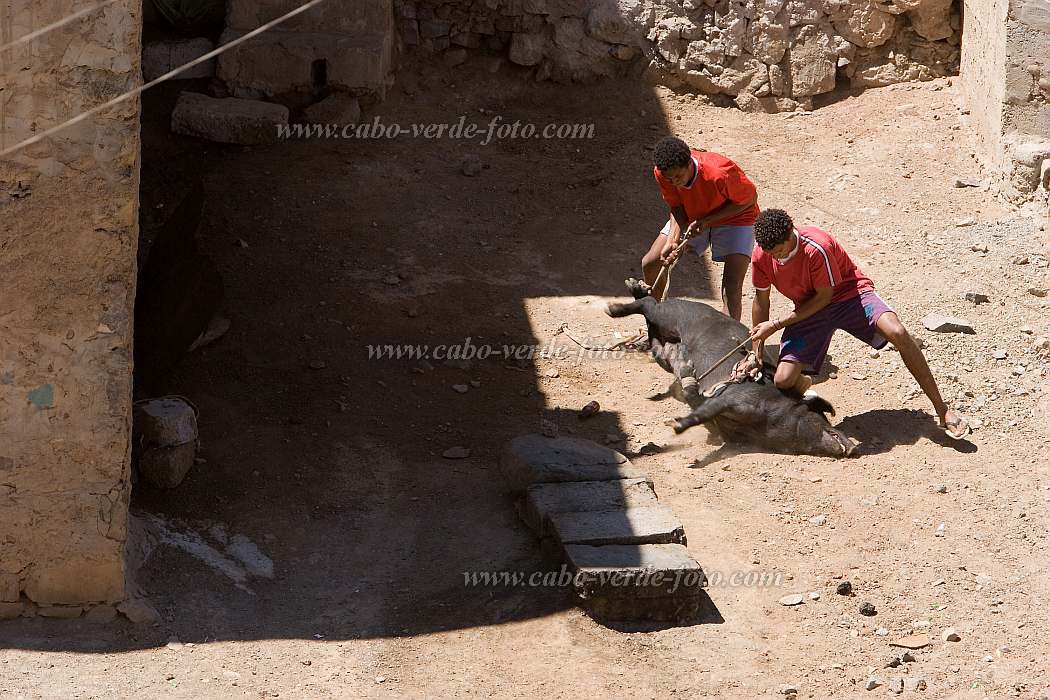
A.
x: 817, y: 403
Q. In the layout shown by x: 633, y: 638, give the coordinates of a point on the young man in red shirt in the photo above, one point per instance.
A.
x: 711, y: 196
x: 811, y: 269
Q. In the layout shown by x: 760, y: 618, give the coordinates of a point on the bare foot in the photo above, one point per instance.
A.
x: 955, y: 426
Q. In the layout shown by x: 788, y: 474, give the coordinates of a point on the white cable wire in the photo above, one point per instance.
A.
x: 167, y: 76
x: 55, y: 25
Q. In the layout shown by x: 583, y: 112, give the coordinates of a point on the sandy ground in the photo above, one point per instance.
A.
x: 335, y: 471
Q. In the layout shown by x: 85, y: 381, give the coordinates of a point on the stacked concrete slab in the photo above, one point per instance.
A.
x: 348, y: 45
x: 600, y: 514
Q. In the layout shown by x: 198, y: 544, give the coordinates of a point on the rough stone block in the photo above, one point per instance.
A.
x: 338, y: 108
x: 9, y: 588
x: 101, y: 613
x: 545, y: 500
x: 139, y: 611
x: 535, y: 459
x: 159, y: 57
x: 61, y: 612
x: 650, y: 525
x: 9, y: 611
x: 940, y: 323
x: 527, y: 49
x: 649, y: 582
x: 166, y: 467
x: 228, y: 120
x: 281, y: 62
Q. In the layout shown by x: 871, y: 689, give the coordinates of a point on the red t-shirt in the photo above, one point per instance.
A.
x: 718, y: 181
x: 819, y: 261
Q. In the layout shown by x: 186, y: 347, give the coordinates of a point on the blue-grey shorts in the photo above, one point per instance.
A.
x: 723, y: 241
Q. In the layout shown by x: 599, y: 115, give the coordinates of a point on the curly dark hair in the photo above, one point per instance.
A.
x: 671, y: 153
x: 772, y: 227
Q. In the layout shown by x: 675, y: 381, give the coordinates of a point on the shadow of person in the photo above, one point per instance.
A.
x: 881, y: 430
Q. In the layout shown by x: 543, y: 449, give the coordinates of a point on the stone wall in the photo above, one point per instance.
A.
x: 1006, y: 87
x: 764, y: 54
x: 68, y: 235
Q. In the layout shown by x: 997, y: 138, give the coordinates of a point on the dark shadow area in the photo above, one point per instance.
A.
x: 880, y: 430
x: 326, y: 457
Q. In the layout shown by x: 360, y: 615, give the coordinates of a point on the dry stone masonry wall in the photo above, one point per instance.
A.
x: 764, y: 54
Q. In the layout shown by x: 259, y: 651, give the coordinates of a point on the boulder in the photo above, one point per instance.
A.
x: 527, y: 49
x: 228, y: 120
x: 864, y: 24
x: 812, y: 61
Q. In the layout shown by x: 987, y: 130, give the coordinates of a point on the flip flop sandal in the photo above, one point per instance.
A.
x: 957, y: 435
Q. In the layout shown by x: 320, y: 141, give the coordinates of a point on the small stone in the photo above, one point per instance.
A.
x: 380, y: 679
x: 457, y: 452
x: 896, y: 686
x: 460, y: 388
x: 139, y: 611
x: 844, y: 588
x: 475, y: 383
x: 912, y: 641
x: 949, y: 635
x: 870, y: 500
x: 940, y: 323
x: 999, y: 355
x: 907, y: 657
x: 979, y: 247
x: 867, y: 609
x: 231, y: 676
x: 1037, y: 291
x: 814, y: 596
x: 551, y: 373
x: 893, y: 662
x: 649, y: 448
x: 788, y: 689
x: 939, y: 532
x: 471, y: 166
x: 391, y: 280
x: 858, y: 377
x: 976, y: 298
x: 960, y: 183
x: 912, y: 683
x: 940, y: 488
x: 818, y: 519
x: 1018, y: 370
x: 874, y: 354
x: 968, y: 221
x: 318, y: 364
x: 1020, y: 260
x: 872, y: 684
x: 174, y: 644
x: 938, y: 582
x: 790, y: 600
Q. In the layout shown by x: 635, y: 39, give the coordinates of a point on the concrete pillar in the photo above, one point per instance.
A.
x: 68, y: 238
x: 1005, y: 77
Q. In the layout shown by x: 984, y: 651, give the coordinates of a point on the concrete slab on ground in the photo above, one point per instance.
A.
x: 636, y: 571
x: 535, y: 459
x: 545, y: 500
x: 229, y: 120
x: 655, y: 524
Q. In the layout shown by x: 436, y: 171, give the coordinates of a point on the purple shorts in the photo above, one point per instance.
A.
x: 807, y: 342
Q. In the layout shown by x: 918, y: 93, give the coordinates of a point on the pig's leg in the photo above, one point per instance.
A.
x: 706, y: 411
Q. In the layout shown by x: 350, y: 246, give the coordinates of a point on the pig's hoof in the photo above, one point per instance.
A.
x: 637, y: 288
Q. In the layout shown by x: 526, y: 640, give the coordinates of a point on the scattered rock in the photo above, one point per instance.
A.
x: 940, y: 488
x: 940, y: 323
x: 139, y: 611
x: 999, y: 355
x: 939, y: 532
x: 793, y: 599
x: 551, y: 373
x: 896, y: 686
x: 968, y: 221
x: 867, y: 609
x: 912, y: 641
x: 650, y: 448
x: 859, y: 377
x: 844, y: 588
x: 960, y: 183
x: 913, y: 683
x: 471, y: 166
x: 1018, y: 370
x: 457, y: 452
x: 814, y: 596
x: 1020, y: 260
x: 818, y: 519
x: 1037, y: 291
x: 977, y: 298
x: 789, y: 690
x: 460, y: 388
x: 872, y: 683
x: 979, y: 247
x: 949, y: 635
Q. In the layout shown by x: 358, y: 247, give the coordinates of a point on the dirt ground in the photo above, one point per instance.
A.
x: 331, y: 462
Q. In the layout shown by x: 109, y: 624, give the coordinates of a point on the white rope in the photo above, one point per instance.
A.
x: 156, y: 81
x: 55, y: 25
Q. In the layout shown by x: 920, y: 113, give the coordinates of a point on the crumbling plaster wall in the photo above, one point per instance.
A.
x: 68, y: 235
x: 766, y: 55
